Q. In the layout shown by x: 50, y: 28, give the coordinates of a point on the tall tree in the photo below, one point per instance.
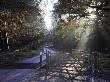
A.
x: 20, y: 18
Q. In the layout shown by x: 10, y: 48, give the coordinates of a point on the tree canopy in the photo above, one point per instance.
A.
x: 19, y: 18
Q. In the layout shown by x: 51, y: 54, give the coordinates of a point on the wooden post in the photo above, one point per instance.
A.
x: 40, y: 60
x: 41, y: 53
x: 94, y: 60
x: 47, y: 58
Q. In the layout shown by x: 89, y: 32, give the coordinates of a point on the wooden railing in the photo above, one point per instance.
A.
x: 46, y: 61
x: 70, y: 67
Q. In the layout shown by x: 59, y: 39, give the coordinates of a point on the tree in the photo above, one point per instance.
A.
x: 101, y: 37
x: 18, y: 18
x: 66, y: 29
x: 72, y: 7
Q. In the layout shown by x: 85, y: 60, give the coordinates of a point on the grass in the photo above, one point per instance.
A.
x: 17, y: 55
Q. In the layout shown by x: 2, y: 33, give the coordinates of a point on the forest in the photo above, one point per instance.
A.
x: 73, y: 30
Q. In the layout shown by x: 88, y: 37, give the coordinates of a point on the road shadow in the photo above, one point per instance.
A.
x: 19, y: 66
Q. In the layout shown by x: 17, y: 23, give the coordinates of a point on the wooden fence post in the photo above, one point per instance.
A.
x: 40, y: 60
x: 41, y: 53
x: 47, y: 58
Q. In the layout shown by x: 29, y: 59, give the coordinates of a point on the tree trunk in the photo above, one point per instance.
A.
x: 3, y: 41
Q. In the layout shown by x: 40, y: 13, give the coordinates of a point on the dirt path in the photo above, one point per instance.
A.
x: 63, y: 68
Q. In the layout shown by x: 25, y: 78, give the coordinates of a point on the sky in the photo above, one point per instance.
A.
x: 47, y: 6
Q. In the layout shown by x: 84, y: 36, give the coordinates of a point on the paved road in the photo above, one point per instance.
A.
x: 14, y: 75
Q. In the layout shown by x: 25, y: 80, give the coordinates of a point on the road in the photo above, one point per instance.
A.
x: 15, y: 74
x: 61, y: 61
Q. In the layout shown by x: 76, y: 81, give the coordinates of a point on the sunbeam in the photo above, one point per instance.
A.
x: 47, y: 7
